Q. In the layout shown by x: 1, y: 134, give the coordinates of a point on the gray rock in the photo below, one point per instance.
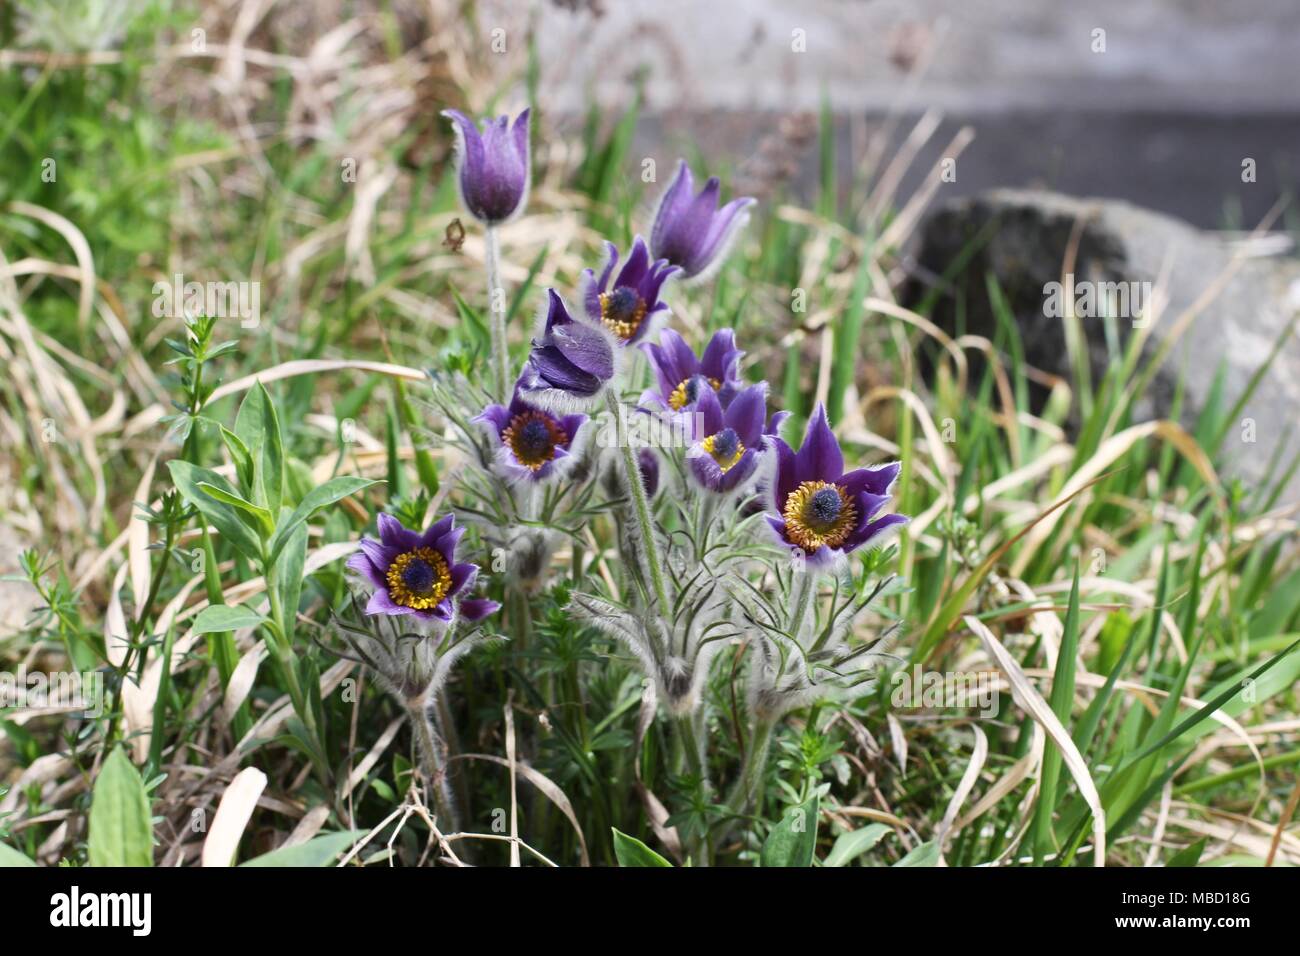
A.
x: 1021, y: 237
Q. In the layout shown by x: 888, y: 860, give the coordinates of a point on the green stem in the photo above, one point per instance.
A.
x: 429, y: 750
x: 641, y: 509
x: 497, y: 314
x: 749, y: 787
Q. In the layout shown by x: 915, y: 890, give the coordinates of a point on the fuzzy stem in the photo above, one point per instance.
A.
x: 496, y: 316
x: 429, y: 748
x: 749, y: 786
x: 641, y: 508
x: 805, y: 591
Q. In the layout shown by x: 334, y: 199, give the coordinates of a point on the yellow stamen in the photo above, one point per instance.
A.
x: 805, y: 528
x: 528, y: 451
x: 429, y: 597
x: 726, y: 464
x: 679, y: 400
x: 623, y: 323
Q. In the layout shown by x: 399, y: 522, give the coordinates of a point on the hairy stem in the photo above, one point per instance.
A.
x: 497, y: 315
x: 641, y: 509
x: 431, y: 751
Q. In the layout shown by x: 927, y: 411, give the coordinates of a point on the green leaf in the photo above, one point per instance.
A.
x: 121, y: 829
x: 220, y: 515
x: 793, y: 840
x: 258, y: 428
x: 1188, y: 855
x: 9, y: 857
x: 261, y: 515
x: 286, y: 576
x: 927, y: 854
x: 220, y: 618
x: 318, y: 851
x: 632, y: 852
x: 853, y: 844
x: 328, y: 493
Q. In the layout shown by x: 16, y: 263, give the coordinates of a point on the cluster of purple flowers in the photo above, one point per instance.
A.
x: 815, y: 507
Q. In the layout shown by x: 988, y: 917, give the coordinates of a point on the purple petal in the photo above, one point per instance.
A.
x: 746, y: 414
x: 381, y: 603
x: 475, y: 609
x: 819, y: 456
x: 462, y: 576
x: 675, y: 200
x: 877, y: 480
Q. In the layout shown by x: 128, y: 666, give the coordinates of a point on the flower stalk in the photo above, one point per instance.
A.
x: 641, y: 509
x: 496, y: 314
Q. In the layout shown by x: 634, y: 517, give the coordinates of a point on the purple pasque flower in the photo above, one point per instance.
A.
x: 628, y: 305
x: 681, y: 377
x: 417, y: 575
x: 727, y: 443
x: 571, y: 362
x: 492, y: 166
x: 823, y: 511
x: 690, y: 230
x: 532, y: 444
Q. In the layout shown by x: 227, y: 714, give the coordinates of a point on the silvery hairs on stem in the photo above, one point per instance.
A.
x: 797, y: 663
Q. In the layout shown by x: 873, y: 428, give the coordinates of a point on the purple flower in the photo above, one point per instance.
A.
x: 571, y: 361
x: 493, y: 166
x: 532, y: 444
x: 690, y: 230
x: 823, y: 511
x: 630, y: 307
x: 682, y: 377
x: 417, y: 574
x: 727, y: 443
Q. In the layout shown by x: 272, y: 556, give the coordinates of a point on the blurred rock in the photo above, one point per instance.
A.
x: 1022, y: 238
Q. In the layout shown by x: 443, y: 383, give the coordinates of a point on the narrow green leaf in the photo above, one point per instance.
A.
x: 220, y: 618
x: 222, y: 516
x: 927, y: 854
x: 121, y: 829
x: 319, y: 851
x: 632, y: 852
x: 328, y: 493
x: 793, y: 840
x: 849, y: 846
x: 9, y: 857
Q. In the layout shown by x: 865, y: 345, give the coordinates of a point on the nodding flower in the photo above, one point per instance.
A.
x: 417, y: 575
x: 820, y: 509
x: 690, y: 230
x: 532, y: 444
x: 728, y: 444
x: 571, y: 363
x: 492, y: 166
x: 627, y: 304
x: 681, y: 377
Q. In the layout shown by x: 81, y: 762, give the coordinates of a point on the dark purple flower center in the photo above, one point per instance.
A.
x: 824, y: 506
x: 725, y: 443
x: 418, y: 576
x: 420, y: 579
x: 621, y: 311
x: 533, y: 437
